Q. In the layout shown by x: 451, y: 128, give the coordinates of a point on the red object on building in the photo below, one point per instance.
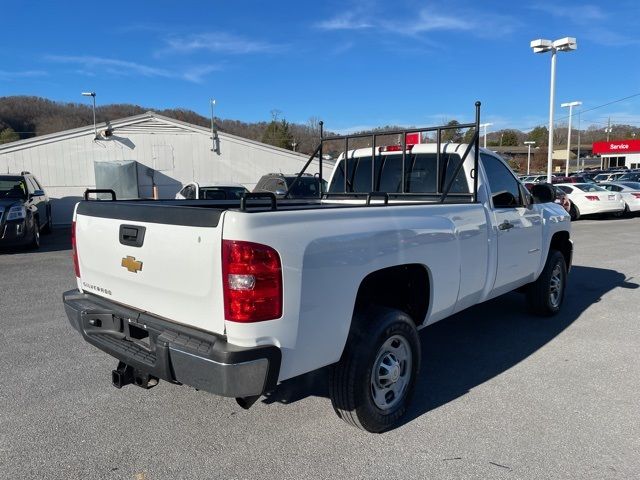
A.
x: 616, y: 146
x: 413, y: 138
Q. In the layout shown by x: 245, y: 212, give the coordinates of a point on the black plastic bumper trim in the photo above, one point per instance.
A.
x: 173, y: 352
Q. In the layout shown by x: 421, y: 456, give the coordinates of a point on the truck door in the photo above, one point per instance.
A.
x: 518, y: 227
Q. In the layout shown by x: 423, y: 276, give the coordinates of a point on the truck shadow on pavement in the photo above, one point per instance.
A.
x: 475, y: 345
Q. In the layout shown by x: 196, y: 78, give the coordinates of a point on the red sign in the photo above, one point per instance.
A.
x: 617, y: 146
x: 413, y: 138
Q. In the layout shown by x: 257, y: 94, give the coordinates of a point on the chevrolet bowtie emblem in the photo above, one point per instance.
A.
x: 131, y: 264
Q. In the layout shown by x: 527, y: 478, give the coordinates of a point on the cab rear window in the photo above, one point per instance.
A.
x: 421, y: 174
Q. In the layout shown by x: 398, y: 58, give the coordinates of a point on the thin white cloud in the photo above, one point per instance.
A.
x: 429, y: 19
x: 14, y: 75
x: 344, y: 21
x: 198, y: 74
x: 581, y: 14
x: 111, y: 65
x: 218, y: 42
x: 89, y: 65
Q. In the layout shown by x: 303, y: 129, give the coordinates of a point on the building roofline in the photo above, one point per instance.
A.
x: 123, y: 122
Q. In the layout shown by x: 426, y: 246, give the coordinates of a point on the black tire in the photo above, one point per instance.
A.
x: 379, y: 336
x: 574, y: 212
x: 546, y: 294
x: 49, y: 225
x: 34, y: 244
x: 626, y: 212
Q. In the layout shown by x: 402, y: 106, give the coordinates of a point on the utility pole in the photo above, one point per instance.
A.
x: 213, y: 138
x: 608, y: 129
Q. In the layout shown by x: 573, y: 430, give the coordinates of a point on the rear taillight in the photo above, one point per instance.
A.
x: 637, y: 195
x: 252, y: 282
x: 74, y: 248
x: 592, y: 198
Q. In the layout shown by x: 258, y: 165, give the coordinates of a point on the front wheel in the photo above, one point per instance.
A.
x: 34, y: 244
x: 49, y: 225
x: 546, y: 294
x: 372, y: 384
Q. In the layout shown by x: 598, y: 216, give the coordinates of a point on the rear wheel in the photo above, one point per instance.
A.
x: 546, y: 294
x: 373, y: 383
x: 574, y: 212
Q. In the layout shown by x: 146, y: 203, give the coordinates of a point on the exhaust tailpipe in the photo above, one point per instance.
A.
x: 247, y: 402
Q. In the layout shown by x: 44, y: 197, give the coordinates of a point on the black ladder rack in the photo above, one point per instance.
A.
x: 441, y: 193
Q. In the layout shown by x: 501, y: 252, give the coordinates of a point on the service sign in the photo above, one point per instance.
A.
x: 617, y: 146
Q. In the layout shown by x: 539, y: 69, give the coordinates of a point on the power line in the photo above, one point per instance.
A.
x: 590, y: 109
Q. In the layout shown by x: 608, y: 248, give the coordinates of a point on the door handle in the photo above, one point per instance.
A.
x: 506, y: 225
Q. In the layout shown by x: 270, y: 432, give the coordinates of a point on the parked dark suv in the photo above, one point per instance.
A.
x: 24, y: 210
x: 308, y: 186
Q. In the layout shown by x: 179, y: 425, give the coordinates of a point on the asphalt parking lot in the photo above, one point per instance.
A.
x: 502, y: 394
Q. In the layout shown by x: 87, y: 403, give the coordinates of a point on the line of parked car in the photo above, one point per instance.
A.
x: 277, y: 183
x: 25, y: 211
x: 615, y: 192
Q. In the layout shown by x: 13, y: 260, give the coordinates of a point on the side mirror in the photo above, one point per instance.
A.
x: 37, y: 193
x: 504, y: 200
x: 543, y: 193
x: 280, y: 192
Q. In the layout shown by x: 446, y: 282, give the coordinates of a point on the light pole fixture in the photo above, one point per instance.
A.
x: 93, y: 95
x: 528, y: 144
x: 485, y: 125
x: 214, y: 134
x: 565, y: 44
x: 570, y: 105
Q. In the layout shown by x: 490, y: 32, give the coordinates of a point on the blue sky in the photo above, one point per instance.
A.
x: 354, y: 64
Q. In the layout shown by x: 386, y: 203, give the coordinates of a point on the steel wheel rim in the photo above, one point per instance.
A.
x: 391, y: 373
x: 555, y: 287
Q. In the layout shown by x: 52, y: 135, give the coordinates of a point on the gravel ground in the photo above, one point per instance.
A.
x: 502, y: 394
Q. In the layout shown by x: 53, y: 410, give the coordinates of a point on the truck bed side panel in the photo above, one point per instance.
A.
x: 330, y: 252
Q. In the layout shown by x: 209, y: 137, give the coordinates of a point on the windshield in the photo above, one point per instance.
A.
x: 632, y: 185
x: 304, y: 187
x: 12, y: 187
x: 222, y: 193
x: 590, y: 188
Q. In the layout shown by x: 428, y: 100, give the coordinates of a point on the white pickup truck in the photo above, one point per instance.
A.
x: 234, y: 298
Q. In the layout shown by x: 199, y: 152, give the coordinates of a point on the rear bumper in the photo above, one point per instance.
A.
x: 173, y: 352
x: 602, y: 207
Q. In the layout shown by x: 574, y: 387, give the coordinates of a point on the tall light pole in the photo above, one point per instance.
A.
x: 485, y: 125
x: 570, y: 105
x: 93, y: 95
x: 528, y: 144
x: 542, y: 46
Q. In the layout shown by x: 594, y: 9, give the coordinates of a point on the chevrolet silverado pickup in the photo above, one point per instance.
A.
x: 234, y: 297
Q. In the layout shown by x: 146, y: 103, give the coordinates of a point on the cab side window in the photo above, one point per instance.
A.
x: 504, y: 188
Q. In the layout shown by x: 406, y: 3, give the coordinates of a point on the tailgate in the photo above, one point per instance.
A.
x: 160, y: 259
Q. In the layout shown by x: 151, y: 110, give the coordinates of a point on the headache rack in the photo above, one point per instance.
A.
x: 442, y: 192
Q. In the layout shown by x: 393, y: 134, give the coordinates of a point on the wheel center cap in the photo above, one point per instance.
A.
x: 395, y: 373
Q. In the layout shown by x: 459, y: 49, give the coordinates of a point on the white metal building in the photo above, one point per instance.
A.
x: 148, y: 149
